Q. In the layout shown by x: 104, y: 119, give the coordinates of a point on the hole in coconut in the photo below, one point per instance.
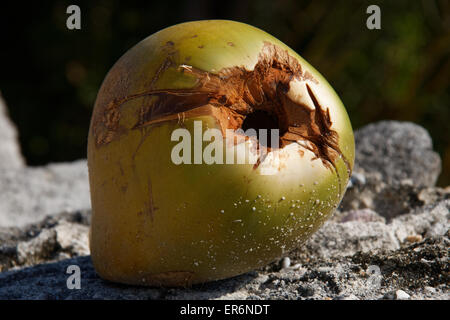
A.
x: 260, y: 119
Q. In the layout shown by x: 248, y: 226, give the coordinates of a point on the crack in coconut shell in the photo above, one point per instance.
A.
x: 233, y: 93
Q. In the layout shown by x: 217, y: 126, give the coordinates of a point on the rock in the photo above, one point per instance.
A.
x: 389, y: 200
x: 27, y: 195
x: 53, y: 239
x: 10, y: 155
x: 349, y: 297
x: 305, y: 291
x: 430, y: 290
x: 413, y: 267
x: 430, y: 221
x: 285, y: 263
x: 72, y: 237
x: 363, y: 215
x: 338, y: 278
x: 389, y: 295
x: 398, y: 151
x: 395, y: 169
x: 343, y: 239
x: 38, y: 249
x: 401, y: 295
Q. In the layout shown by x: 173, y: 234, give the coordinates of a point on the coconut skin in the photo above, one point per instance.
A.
x: 156, y: 223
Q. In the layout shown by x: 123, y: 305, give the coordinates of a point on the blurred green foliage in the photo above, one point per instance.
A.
x: 50, y: 75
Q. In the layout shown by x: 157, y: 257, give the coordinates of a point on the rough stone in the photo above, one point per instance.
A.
x: 398, y: 151
x: 27, y: 195
x: 54, y: 238
x: 10, y: 155
x: 363, y: 215
x: 389, y: 200
x: 335, y: 278
x: 401, y: 295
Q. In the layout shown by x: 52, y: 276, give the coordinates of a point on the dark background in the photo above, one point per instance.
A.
x: 49, y: 75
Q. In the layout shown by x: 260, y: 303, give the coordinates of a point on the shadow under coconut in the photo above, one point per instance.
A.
x: 56, y: 281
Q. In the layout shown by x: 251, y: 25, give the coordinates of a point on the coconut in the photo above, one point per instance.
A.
x: 214, y: 149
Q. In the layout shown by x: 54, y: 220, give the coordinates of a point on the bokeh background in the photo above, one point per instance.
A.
x: 49, y: 75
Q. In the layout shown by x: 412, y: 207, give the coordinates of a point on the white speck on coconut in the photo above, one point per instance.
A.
x: 246, y: 200
x: 283, y: 198
x: 253, y: 209
x: 222, y: 211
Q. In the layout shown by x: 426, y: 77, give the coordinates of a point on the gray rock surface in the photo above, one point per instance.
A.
x: 388, y: 200
x: 395, y: 169
x: 28, y: 194
x: 398, y: 151
x: 10, y: 156
x: 54, y: 238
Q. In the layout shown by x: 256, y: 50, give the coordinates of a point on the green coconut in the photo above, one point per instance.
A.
x: 168, y: 207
